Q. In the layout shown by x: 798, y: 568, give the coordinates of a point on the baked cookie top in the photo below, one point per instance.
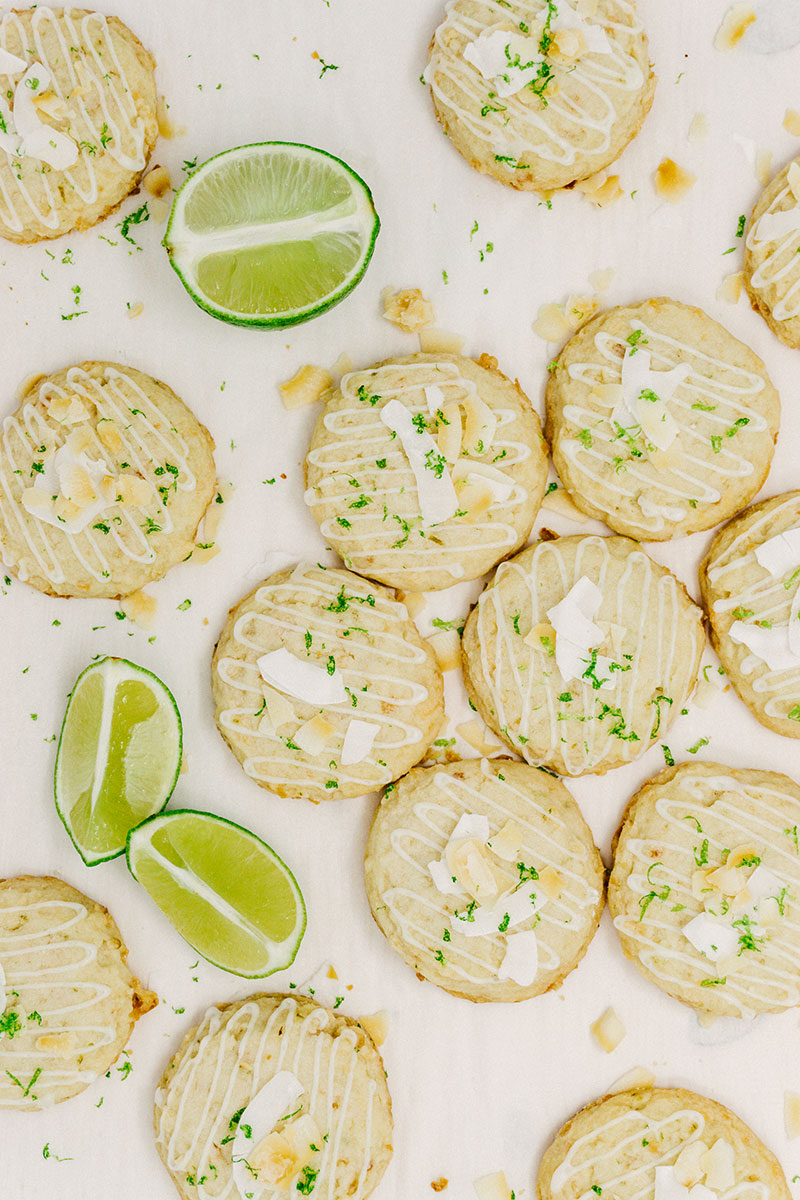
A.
x: 104, y: 476
x: 484, y: 877
x: 581, y: 652
x: 706, y: 886
x: 274, y: 1093
x: 536, y: 94
x: 77, y: 119
x: 750, y: 581
x: 69, y: 999
x: 661, y: 422
x: 772, y: 264
x: 426, y: 470
x: 655, y: 1143
x: 323, y: 686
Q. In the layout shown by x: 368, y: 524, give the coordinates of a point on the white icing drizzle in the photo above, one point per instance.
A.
x: 694, y: 474
x: 94, y: 74
x: 757, y: 815
x: 778, y: 230
x: 578, y: 120
x: 148, y: 442
x: 229, y: 1069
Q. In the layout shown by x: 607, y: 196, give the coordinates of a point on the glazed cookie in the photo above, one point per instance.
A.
x: 581, y: 652
x: 426, y: 470
x: 706, y: 884
x: 771, y: 263
x: 323, y: 687
x: 540, y: 95
x: 657, y: 1144
x: 104, y: 477
x: 750, y: 581
x: 77, y: 119
x: 484, y: 878
x: 274, y: 1095
x: 70, y: 1001
x: 661, y: 422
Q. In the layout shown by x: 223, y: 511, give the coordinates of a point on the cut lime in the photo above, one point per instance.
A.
x: 118, y: 758
x: 271, y: 234
x: 225, y: 891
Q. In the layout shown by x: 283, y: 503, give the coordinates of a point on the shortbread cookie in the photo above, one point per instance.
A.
x: 104, y: 476
x: 275, y: 1094
x: 750, y: 581
x: 661, y: 422
x: 659, y: 1143
x: 426, y: 470
x: 772, y: 261
x: 484, y: 878
x: 69, y: 1000
x: 706, y: 886
x: 540, y: 95
x: 581, y: 652
x: 77, y: 119
x: 323, y: 686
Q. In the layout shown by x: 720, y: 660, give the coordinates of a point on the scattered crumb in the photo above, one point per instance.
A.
x: 791, y: 122
x: 608, y: 1031
x: 556, y: 322
x: 376, y: 1025
x: 135, y: 310
x: 698, y: 130
x: 671, y: 181
x: 157, y: 182
x: 307, y: 387
x: 763, y: 166
x: 636, y: 1077
x: 165, y: 127
x: 446, y: 645
x: 438, y: 341
x: 559, y: 502
x: 791, y: 1114
x: 408, y: 310
x: 140, y: 608
x: 735, y: 24
x: 730, y: 289
x: 492, y: 1187
x: 602, y: 189
x: 439, y: 1184
x: 488, y: 362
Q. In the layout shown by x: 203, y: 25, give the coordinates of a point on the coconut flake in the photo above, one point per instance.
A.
x: 276, y: 1099
x: 714, y: 940
x: 437, y: 496
x: 576, y: 634
x: 37, y: 139
x: 10, y: 64
x: 434, y: 398
x: 493, y: 54
x: 517, y: 906
x: 521, y: 960
x: 594, y: 35
x: 358, y: 741
x: 640, y: 380
x: 780, y: 553
x: 469, y: 825
x: 776, y: 28
x: 773, y: 226
x: 282, y: 670
x: 772, y: 646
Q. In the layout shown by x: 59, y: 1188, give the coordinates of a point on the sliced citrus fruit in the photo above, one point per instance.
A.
x: 271, y: 234
x: 118, y: 757
x: 225, y: 891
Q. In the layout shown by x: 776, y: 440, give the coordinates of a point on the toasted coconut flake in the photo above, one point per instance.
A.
x: 601, y: 280
x: 551, y: 882
x: 279, y: 710
x: 439, y: 1185
x: 414, y: 602
x: 438, y: 341
x: 165, y: 127
x: 718, y: 1163
x: 608, y: 1031
x: 474, y: 500
x: 551, y: 324
x: 763, y: 167
x: 342, y: 366
x: 109, y: 436
x: 307, y: 387
x: 446, y: 645
x: 140, y: 608
x: 735, y: 23
x: 59, y: 1044
x: 791, y: 1114
x: 477, y: 735
x: 579, y: 309
x: 36, y: 501
x: 730, y: 290
x: 793, y: 179
x: 698, y: 130
x: 68, y: 410
x: 540, y: 635
x: 492, y: 1187
x: 635, y: 1078
x: 559, y: 502
x: 132, y: 489
x: 602, y: 189
x: 449, y: 434
x: 376, y: 1025
x: 409, y: 310
x: 672, y: 182
x: 157, y: 182
x: 791, y: 122
x: 688, y: 1165
x: 507, y: 841
x: 314, y: 735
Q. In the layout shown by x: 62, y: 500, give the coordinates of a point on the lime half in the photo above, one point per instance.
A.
x: 118, y: 758
x: 271, y: 234
x: 225, y: 891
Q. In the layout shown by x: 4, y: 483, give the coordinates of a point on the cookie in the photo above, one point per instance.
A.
x: 69, y: 1000
x: 771, y: 263
x: 750, y: 582
x: 581, y: 652
x: 659, y: 1142
x: 274, y: 1093
x: 661, y: 422
x: 77, y: 119
x: 323, y: 687
x: 426, y: 470
x: 484, y: 878
x: 540, y: 95
x: 104, y: 477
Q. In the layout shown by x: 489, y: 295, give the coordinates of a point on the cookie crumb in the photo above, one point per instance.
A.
x: 735, y: 24
x: 602, y: 189
x: 438, y: 1185
x: 671, y: 181
x: 165, y: 127
x: 608, y: 1031
x: 408, y: 310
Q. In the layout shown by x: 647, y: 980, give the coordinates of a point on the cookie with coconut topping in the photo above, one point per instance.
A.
x: 484, y: 878
x: 323, y: 687
x: 540, y: 95
x: 104, y: 477
x: 659, y: 1144
x: 274, y: 1096
x: 750, y: 582
x: 77, y: 119
x: 581, y: 652
x: 771, y: 261
x: 426, y: 470
x: 69, y: 1001
x: 661, y: 422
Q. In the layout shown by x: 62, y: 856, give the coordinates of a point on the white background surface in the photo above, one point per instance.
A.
x: 475, y: 1088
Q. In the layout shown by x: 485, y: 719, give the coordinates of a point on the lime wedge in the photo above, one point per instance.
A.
x: 225, y: 891
x: 271, y: 234
x: 118, y: 758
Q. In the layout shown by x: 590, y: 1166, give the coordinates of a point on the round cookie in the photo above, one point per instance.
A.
x: 750, y: 583
x: 653, y: 1141
x: 581, y: 652
x: 104, y: 477
x: 78, y: 119
x: 661, y: 422
x: 275, y: 1091
x: 323, y: 687
x: 771, y: 263
x: 540, y: 95
x: 69, y: 1001
x: 705, y: 887
x: 426, y: 470
x: 484, y: 878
